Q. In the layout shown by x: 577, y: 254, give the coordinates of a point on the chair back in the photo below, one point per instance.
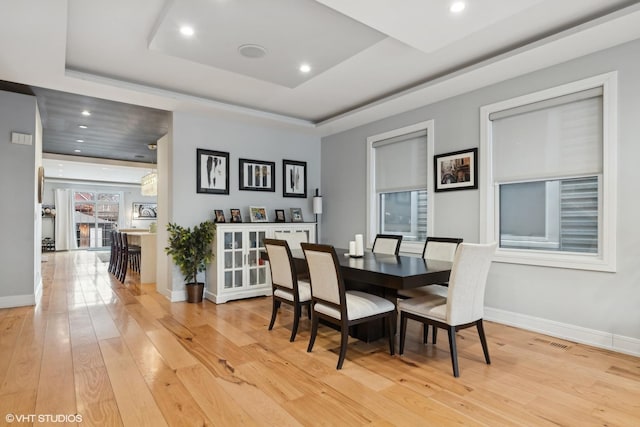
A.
x: 387, y: 244
x: 293, y: 239
x: 324, y: 273
x: 440, y: 248
x: 280, y: 263
x: 465, y: 298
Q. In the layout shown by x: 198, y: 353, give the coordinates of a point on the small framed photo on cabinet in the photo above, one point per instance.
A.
x: 296, y: 215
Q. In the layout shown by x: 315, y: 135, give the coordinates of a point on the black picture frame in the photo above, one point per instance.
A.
x: 213, y: 172
x: 280, y: 215
x: 257, y: 175
x: 294, y: 178
x: 141, y: 210
x: 218, y: 216
x: 455, y: 171
x: 236, y: 216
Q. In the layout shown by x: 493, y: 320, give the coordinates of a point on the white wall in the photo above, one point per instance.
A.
x: 20, y: 272
x: 241, y: 139
x: 593, y: 307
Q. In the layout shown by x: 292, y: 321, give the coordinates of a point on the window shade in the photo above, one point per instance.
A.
x: 401, y: 162
x: 552, y: 140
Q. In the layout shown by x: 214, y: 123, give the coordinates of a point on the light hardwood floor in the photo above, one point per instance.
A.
x: 123, y: 355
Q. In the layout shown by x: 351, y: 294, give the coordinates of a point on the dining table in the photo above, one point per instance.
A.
x: 383, y: 275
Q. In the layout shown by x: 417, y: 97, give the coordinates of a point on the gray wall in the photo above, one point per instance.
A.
x: 241, y: 139
x: 606, y: 302
x: 18, y: 267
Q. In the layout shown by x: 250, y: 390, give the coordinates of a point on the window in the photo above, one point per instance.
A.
x: 548, y: 176
x: 399, y: 184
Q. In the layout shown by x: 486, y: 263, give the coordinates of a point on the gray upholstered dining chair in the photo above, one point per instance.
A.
x: 464, y: 306
x: 387, y: 244
x: 436, y: 249
x: 332, y: 303
x: 284, y: 281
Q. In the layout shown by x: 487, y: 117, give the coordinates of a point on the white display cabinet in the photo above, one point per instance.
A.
x: 237, y: 271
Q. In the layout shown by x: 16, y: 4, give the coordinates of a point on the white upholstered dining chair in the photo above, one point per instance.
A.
x: 464, y: 306
x: 332, y: 303
x: 387, y: 244
x: 436, y: 249
x: 293, y: 239
x: 286, y: 286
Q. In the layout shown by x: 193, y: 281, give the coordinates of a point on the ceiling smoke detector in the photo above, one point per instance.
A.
x: 252, y: 51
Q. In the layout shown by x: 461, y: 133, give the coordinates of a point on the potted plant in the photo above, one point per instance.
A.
x: 191, y: 252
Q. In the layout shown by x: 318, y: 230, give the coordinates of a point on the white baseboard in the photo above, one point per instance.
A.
x: 17, y: 301
x: 600, y: 339
x: 177, y: 296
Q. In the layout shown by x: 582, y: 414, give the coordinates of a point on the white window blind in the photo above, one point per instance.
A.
x: 401, y: 162
x: 560, y: 137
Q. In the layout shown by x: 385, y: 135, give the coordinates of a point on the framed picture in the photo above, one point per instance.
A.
x: 219, y: 215
x: 296, y: 215
x: 235, y: 215
x: 257, y: 175
x: 457, y: 170
x: 294, y: 178
x: 145, y: 211
x: 279, y: 215
x: 213, y: 172
x: 258, y: 214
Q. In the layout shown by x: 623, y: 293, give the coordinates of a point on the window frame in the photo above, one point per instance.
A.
x: 372, y: 201
x: 605, y: 259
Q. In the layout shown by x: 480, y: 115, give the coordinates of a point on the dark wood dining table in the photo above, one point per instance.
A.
x: 382, y: 275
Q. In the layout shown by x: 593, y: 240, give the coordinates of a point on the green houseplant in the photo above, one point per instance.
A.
x: 191, y: 252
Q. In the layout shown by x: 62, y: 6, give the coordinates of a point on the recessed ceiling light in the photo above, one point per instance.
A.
x: 82, y: 126
x: 457, y: 6
x: 60, y: 164
x: 305, y: 68
x: 86, y: 113
x: 187, y: 30
x: 79, y: 140
x: 77, y: 151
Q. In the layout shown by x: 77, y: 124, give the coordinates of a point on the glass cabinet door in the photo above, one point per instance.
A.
x: 257, y: 270
x: 233, y: 259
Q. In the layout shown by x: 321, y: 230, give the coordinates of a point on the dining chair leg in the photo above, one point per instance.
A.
x: 483, y: 341
x: 425, y: 332
x: 452, y: 348
x: 403, y: 331
x: 391, y: 320
x: 309, y: 311
x: 274, y: 312
x: 434, y: 334
x: 296, y: 319
x: 344, y: 340
x: 314, y: 332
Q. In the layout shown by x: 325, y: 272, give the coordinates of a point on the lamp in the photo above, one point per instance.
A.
x: 149, y: 182
x: 317, y: 209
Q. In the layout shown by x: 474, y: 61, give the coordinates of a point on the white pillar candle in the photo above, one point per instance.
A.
x: 352, y: 248
x: 359, y: 245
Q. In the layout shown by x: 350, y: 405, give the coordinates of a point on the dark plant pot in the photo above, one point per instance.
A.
x: 194, y: 292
